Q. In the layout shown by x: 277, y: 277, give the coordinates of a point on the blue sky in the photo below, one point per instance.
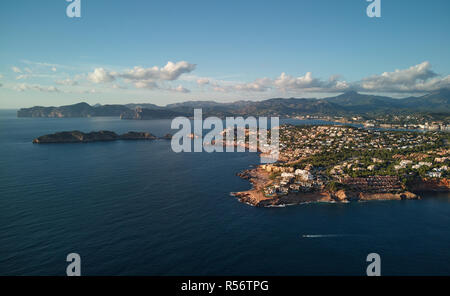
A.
x: 169, y: 51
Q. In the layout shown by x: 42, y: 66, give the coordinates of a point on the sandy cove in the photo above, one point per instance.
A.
x: 260, y: 178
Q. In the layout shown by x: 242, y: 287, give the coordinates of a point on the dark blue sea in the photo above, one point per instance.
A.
x: 137, y: 208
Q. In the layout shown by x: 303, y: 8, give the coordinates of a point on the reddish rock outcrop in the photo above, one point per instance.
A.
x: 436, y: 185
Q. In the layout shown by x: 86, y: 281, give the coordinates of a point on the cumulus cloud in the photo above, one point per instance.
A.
x: 101, y: 75
x: 259, y: 85
x: 308, y: 83
x: 145, y: 78
x: 16, y: 69
x: 415, y: 79
x: 287, y: 82
x: 284, y: 83
x: 24, y: 87
x: 418, y: 78
x: 171, y: 71
x: 148, y: 84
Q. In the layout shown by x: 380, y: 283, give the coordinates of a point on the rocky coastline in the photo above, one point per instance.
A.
x: 259, y: 178
x: 100, y: 136
x: 431, y: 185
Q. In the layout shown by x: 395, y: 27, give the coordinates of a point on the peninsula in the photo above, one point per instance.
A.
x: 339, y: 164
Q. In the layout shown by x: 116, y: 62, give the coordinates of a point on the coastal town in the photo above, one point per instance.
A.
x: 334, y: 163
x: 426, y: 122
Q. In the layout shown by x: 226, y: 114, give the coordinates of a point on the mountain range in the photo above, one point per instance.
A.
x: 348, y: 103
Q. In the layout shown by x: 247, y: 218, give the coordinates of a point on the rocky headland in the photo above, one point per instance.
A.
x: 259, y: 178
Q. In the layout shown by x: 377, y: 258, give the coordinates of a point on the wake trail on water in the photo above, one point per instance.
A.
x: 325, y: 235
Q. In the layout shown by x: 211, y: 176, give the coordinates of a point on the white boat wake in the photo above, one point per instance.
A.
x: 323, y: 235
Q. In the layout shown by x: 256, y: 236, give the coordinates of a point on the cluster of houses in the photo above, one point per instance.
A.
x: 302, y: 142
x: 411, y: 122
x: 379, y: 184
x: 299, y: 143
x: 290, y: 180
x: 433, y: 172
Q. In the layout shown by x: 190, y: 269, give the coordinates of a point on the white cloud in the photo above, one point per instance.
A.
x: 16, y: 69
x: 148, y: 84
x: 418, y: 78
x: 23, y: 87
x: 145, y: 78
x: 259, y: 85
x: 412, y: 79
x: 171, y: 71
x: 101, y: 75
x: 284, y: 83
x: 287, y: 82
x: 308, y: 83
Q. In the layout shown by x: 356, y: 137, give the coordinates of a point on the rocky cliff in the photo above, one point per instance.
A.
x: 428, y: 184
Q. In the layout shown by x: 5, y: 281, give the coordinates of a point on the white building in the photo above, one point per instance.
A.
x: 304, y: 175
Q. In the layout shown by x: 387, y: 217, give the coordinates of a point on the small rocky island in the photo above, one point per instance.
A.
x: 100, y: 136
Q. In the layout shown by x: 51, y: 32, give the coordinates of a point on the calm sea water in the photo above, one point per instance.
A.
x: 137, y: 208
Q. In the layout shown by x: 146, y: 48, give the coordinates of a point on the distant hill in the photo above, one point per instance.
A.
x: 144, y: 105
x: 438, y: 101
x: 145, y: 114
x: 349, y: 103
x: 76, y: 110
